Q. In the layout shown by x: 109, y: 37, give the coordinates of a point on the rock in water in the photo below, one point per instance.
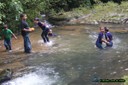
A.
x: 5, y: 75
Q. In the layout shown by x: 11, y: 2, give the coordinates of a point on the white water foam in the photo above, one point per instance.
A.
x: 46, y: 44
x: 116, y: 43
x: 41, y: 77
x: 49, y: 43
x: 93, y: 37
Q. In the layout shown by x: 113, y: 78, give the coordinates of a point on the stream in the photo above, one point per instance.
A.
x: 71, y: 58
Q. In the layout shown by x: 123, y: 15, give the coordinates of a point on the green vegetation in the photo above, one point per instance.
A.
x: 126, y: 78
x: 109, y: 12
x: 11, y: 9
x: 102, y: 12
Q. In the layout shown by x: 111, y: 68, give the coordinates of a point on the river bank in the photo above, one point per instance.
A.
x: 101, y: 13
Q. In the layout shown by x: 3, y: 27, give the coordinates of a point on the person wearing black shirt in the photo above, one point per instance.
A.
x: 45, y: 30
x: 25, y: 29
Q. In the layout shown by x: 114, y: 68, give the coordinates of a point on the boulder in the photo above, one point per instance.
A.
x: 5, y: 75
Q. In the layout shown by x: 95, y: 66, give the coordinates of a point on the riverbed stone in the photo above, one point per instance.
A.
x: 5, y: 75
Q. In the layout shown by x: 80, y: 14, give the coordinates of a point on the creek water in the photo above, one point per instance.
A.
x: 71, y: 58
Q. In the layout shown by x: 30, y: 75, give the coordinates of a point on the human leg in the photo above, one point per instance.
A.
x: 27, y: 44
x: 9, y: 44
x: 43, y: 36
x: 5, y: 44
x: 46, y: 35
x: 99, y: 45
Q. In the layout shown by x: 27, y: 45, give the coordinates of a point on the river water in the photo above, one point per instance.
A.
x: 71, y: 58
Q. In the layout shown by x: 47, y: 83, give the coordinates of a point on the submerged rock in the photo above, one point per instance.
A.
x: 5, y: 75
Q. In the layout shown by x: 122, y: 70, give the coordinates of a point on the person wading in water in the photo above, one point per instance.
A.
x: 25, y: 30
x: 45, y: 30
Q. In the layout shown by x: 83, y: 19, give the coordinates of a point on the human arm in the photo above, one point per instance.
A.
x: 27, y: 30
x: 101, y: 37
x: 42, y: 23
x: 25, y: 27
x: 14, y: 35
x: 109, y: 37
x: 105, y: 41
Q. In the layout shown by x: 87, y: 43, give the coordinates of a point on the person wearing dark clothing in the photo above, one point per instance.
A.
x: 25, y: 29
x: 45, y: 30
x: 51, y: 34
x: 101, y: 38
x: 108, y: 37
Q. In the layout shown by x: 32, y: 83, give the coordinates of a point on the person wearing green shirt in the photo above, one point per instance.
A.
x: 7, y: 34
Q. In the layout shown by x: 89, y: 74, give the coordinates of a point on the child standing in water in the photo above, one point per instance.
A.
x: 45, y: 30
x: 7, y: 33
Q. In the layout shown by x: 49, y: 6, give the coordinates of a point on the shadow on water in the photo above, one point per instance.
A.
x: 72, y: 59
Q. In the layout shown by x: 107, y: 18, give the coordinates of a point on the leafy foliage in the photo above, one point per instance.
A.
x: 11, y: 9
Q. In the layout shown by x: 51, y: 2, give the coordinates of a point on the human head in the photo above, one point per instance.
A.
x: 23, y: 16
x: 5, y: 26
x: 106, y: 29
x: 102, y: 29
x: 36, y: 20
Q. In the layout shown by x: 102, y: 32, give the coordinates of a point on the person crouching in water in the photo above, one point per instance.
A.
x: 45, y: 30
x: 108, y: 37
x: 101, y: 38
x: 51, y: 34
x: 7, y: 33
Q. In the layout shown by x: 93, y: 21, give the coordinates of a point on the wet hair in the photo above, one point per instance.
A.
x: 106, y: 29
x: 37, y: 19
x: 22, y: 15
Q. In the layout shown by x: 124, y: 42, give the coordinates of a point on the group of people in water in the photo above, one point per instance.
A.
x: 25, y: 30
x: 104, y: 35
